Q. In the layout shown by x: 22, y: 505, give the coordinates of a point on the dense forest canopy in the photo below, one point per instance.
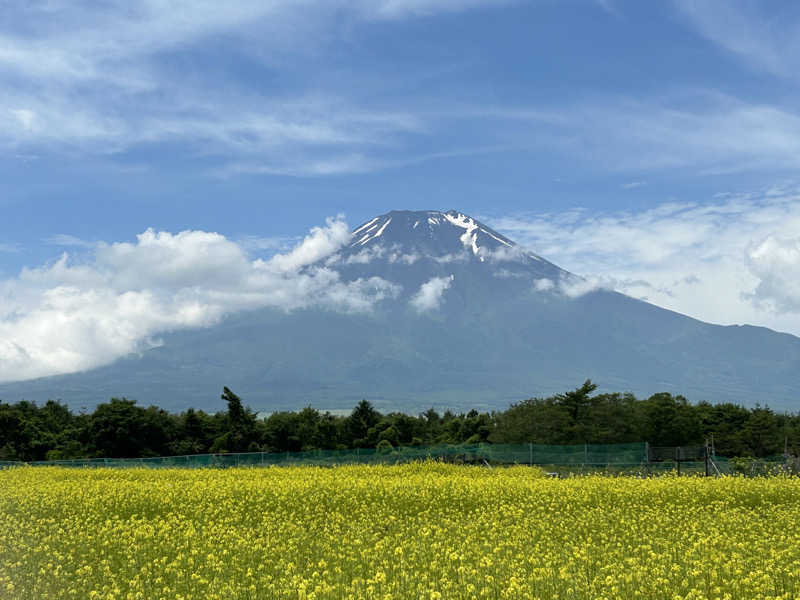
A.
x: 121, y: 428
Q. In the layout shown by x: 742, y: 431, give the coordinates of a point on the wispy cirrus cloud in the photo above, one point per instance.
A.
x: 734, y: 260
x: 316, y: 136
x: 74, y: 42
x: 133, y: 76
x: 394, y: 9
x: 700, y: 130
x: 66, y: 240
x: 82, y: 79
x: 766, y: 37
x: 632, y: 185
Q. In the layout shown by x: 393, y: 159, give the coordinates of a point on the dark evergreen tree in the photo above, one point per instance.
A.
x: 361, y: 420
x: 241, y: 433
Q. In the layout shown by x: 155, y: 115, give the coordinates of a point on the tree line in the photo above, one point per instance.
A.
x: 121, y: 428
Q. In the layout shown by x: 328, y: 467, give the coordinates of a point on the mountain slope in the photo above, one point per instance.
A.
x: 477, y: 321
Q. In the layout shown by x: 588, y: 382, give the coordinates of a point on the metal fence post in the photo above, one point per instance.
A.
x: 585, y: 454
x: 530, y: 454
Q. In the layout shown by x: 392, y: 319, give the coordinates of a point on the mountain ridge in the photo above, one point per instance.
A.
x: 498, y: 324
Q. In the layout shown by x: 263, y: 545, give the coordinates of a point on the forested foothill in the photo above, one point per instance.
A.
x: 122, y: 428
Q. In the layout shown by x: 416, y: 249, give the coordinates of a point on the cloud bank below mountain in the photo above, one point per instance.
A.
x: 83, y: 311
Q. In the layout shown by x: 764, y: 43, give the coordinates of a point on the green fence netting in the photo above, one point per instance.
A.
x: 582, y: 457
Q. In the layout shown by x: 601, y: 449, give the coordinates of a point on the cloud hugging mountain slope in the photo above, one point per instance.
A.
x: 426, y: 308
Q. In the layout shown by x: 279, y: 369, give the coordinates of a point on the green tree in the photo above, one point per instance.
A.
x: 241, y: 434
x: 389, y: 435
x: 671, y: 421
x: 537, y: 420
x: 384, y: 447
x: 361, y: 420
x: 760, y: 433
x: 577, y: 404
x: 121, y: 429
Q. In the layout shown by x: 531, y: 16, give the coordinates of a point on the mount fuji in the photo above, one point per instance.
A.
x: 470, y: 320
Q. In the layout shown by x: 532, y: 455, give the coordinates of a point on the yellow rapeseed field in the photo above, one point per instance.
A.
x: 413, y: 531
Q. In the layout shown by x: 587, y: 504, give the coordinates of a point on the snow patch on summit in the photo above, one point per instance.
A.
x: 380, y: 231
x: 490, y: 234
x: 468, y: 238
x: 368, y: 227
x: 365, y: 225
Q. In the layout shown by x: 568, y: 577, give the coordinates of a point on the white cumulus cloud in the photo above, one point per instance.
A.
x: 575, y: 287
x: 429, y: 296
x: 321, y: 242
x: 776, y: 263
x: 80, y: 312
x: 733, y: 260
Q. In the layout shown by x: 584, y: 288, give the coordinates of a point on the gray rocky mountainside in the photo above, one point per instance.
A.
x: 476, y: 321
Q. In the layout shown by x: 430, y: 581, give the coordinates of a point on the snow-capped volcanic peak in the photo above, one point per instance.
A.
x: 430, y: 231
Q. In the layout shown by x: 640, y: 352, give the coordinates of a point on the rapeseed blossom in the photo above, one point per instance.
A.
x: 399, y: 532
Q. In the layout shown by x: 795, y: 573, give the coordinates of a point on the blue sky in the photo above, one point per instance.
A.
x: 651, y: 147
